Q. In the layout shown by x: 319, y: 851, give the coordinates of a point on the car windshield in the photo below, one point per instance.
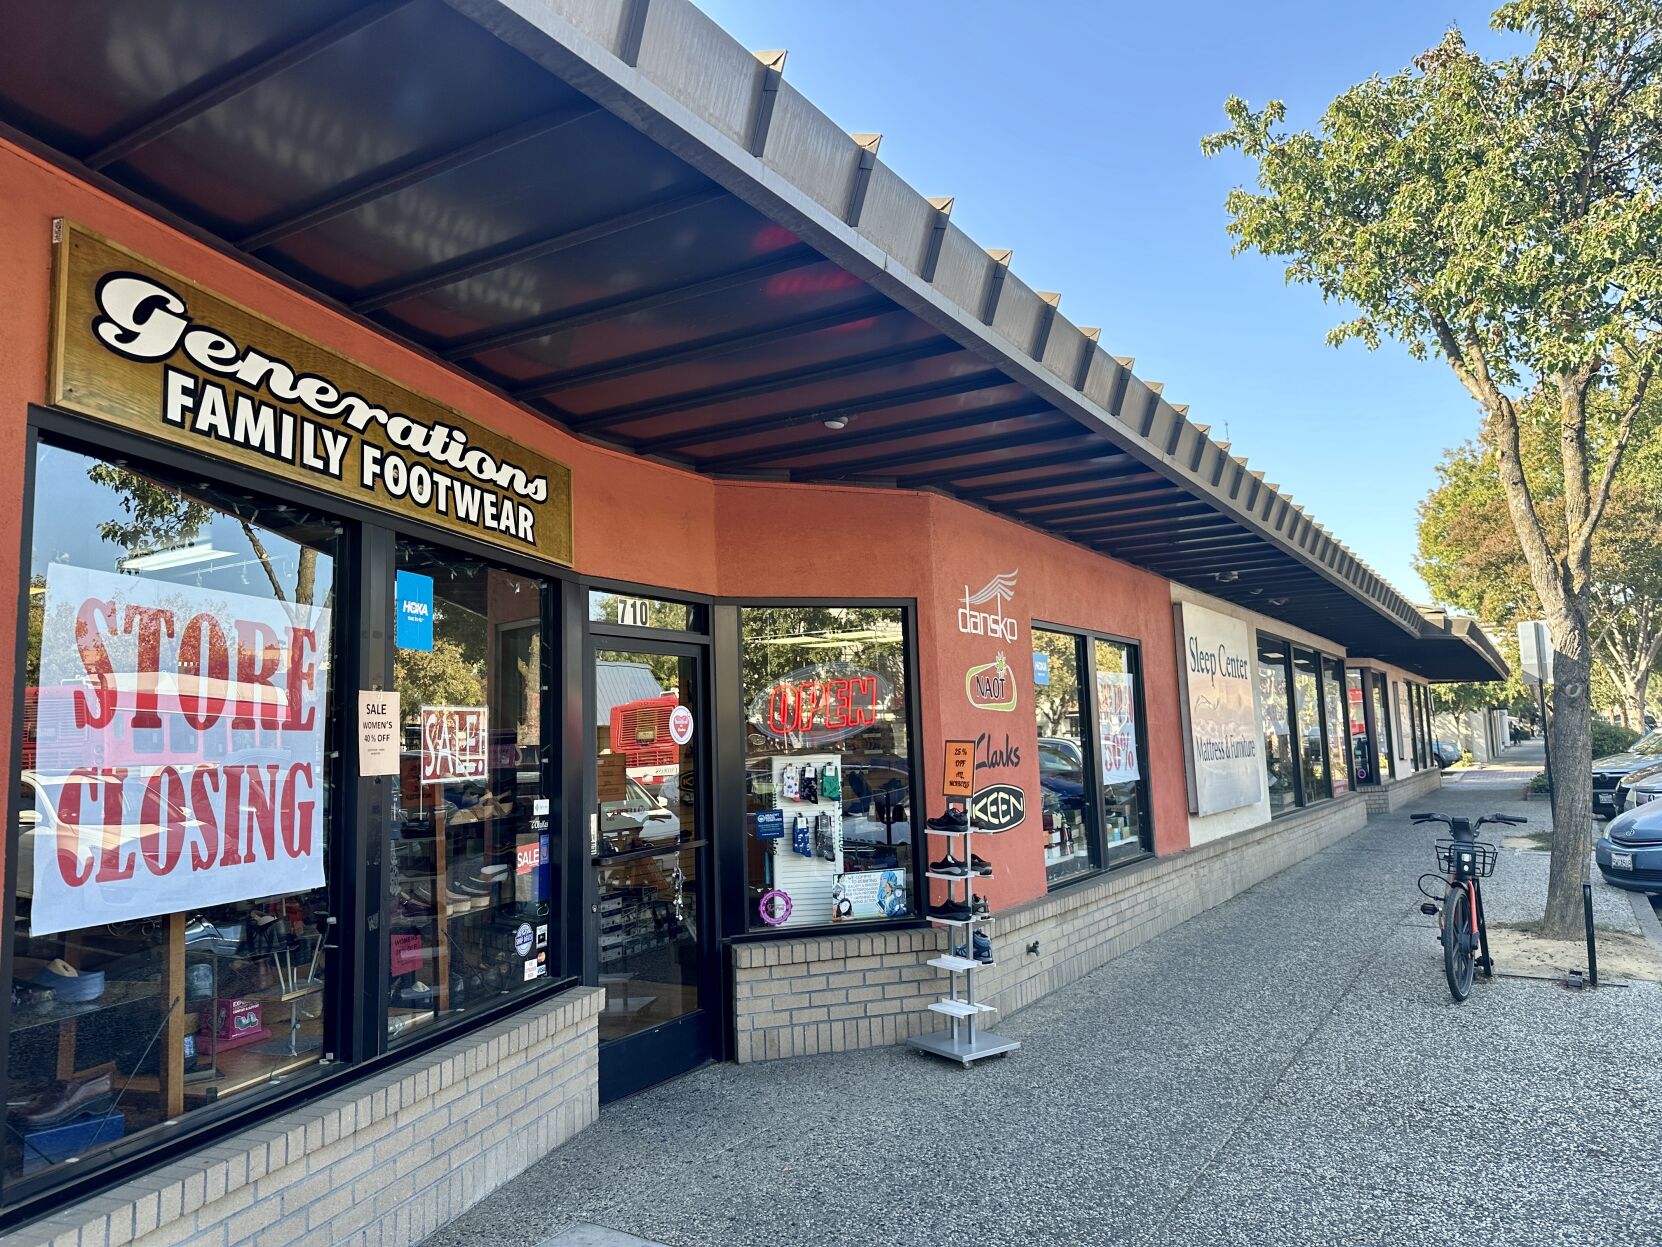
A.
x: 1649, y: 744
x: 1056, y: 760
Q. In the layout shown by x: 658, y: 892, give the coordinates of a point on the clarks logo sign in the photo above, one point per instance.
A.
x: 147, y: 350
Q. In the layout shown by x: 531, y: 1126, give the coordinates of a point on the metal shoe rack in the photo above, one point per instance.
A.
x: 961, y: 1041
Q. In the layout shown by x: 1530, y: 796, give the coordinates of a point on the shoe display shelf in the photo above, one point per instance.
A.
x: 962, y: 1040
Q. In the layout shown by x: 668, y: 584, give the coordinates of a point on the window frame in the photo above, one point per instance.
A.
x: 727, y: 669
x: 1084, y: 659
x: 1091, y: 742
x: 1325, y: 662
x: 356, y: 869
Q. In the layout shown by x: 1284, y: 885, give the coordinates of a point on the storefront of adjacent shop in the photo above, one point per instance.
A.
x: 404, y: 762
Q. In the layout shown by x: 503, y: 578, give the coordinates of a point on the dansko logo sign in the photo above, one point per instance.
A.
x: 998, y: 808
x: 142, y: 348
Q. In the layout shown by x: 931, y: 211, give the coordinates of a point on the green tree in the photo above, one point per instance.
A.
x: 1503, y: 215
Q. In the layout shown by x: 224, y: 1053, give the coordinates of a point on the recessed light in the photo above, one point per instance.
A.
x: 836, y: 422
x: 1227, y: 578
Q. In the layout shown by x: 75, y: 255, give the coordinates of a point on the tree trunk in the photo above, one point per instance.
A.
x: 1570, y: 737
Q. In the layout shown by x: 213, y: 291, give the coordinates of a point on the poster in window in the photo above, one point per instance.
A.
x: 179, y: 762
x: 454, y: 743
x: 1225, y: 764
x: 1116, y: 713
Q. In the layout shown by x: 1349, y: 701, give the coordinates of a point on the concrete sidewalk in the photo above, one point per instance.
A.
x: 1287, y: 1068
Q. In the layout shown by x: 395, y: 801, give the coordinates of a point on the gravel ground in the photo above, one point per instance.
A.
x: 1285, y: 1069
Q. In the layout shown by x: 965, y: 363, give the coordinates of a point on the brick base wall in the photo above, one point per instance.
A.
x: 385, y: 1162
x: 1405, y: 791
x: 841, y: 992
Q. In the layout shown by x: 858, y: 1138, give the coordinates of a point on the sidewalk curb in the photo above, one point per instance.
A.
x: 1648, y: 922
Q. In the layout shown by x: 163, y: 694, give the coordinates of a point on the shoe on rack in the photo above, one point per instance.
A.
x: 954, y: 819
x: 980, y: 865
x: 949, y: 865
x: 84, y: 1095
x: 417, y: 995
x: 458, y: 901
x: 978, y: 907
x: 953, y: 911
x: 980, y: 947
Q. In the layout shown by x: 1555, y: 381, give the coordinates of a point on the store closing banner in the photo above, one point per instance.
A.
x: 184, y: 763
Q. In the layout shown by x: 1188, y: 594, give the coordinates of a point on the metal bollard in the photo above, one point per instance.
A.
x: 1592, y: 949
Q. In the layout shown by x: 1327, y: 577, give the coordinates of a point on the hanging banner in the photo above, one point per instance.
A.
x: 1220, y: 720
x: 140, y: 347
x: 180, y: 760
x: 1116, y: 715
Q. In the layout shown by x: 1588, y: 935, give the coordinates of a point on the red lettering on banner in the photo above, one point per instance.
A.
x: 258, y: 657
x: 152, y: 622
x: 202, y: 809
x: 199, y: 711
x: 230, y: 831
x: 162, y: 814
x: 262, y: 800
x: 95, y: 660
x: 302, y: 674
x: 297, y: 814
x: 75, y: 868
x: 110, y: 866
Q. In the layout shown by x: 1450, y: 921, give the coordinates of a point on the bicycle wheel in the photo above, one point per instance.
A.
x: 1459, y: 959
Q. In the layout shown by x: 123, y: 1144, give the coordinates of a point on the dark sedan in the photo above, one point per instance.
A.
x: 1629, y: 853
x: 1611, y: 769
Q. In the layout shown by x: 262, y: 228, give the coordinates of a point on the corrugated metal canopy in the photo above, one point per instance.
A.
x: 612, y: 213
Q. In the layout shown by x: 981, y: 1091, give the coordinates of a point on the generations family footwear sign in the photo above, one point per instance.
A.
x: 142, y: 348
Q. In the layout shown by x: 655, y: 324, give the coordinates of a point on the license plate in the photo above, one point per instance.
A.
x: 1621, y: 861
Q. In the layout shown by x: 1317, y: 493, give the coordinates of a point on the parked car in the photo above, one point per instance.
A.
x: 1629, y: 853
x: 1609, y: 771
x: 1639, y: 787
x: 1446, y: 752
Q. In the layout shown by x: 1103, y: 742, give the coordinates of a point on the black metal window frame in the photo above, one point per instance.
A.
x: 1090, y: 737
x: 356, y: 1004
x: 728, y: 668
x: 1324, y: 661
x: 1330, y: 664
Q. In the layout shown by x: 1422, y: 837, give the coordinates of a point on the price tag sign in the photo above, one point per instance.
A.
x: 958, y: 774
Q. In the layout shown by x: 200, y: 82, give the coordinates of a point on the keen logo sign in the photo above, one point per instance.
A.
x: 991, y: 686
x: 139, y: 347
x: 998, y: 808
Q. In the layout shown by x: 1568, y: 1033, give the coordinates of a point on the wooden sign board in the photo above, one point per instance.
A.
x: 142, y: 348
x: 958, y: 772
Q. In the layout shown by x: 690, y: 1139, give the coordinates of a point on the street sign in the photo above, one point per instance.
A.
x: 1535, y: 652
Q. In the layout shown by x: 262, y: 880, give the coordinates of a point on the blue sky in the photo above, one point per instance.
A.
x: 1069, y: 131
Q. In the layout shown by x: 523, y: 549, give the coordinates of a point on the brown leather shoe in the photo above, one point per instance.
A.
x: 89, y: 1095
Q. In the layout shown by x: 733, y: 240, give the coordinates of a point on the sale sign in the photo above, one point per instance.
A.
x: 184, y: 762
x: 453, y: 743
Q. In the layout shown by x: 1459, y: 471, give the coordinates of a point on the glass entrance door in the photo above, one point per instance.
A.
x: 650, y: 855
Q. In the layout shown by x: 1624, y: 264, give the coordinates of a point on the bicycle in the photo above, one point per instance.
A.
x: 1463, y: 860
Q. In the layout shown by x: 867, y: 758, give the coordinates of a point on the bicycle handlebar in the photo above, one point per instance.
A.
x: 1511, y: 820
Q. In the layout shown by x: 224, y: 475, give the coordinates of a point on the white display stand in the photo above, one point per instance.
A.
x: 961, y: 1041
x: 807, y: 880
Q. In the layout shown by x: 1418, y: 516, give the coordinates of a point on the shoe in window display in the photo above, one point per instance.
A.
x: 69, y: 985
x: 949, y: 865
x: 458, y: 900
x: 93, y: 1094
x: 27, y: 996
x: 417, y: 995
x: 207, y: 936
x: 954, y: 819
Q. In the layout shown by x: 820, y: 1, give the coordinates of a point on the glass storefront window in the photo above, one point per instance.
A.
x: 1361, y: 746
x: 1312, y: 750
x: 470, y: 863
x: 172, y: 817
x: 1124, y: 797
x: 1333, y: 718
x: 828, y: 766
x: 1069, y: 837
x: 1383, y: 765
x: 1275, y: 708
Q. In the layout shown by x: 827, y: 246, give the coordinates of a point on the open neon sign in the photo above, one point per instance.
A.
x: 820, y: 704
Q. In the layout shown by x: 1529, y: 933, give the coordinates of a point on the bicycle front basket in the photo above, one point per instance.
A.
x: 1480, y: 860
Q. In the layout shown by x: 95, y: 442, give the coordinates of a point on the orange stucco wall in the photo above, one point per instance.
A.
x: 641, y: 522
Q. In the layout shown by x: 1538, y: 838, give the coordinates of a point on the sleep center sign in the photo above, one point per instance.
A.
x: 142, y: 348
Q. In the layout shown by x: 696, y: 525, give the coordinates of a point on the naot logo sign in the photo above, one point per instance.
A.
x: 991, y: 686
x: 975, y: 621
x: 998, y: 808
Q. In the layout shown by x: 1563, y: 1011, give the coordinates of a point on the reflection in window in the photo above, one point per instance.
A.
x: 1333, y: 705
x: 828, y: 766
x: 1124, y: 792
x: 1361, y: 745
x: 470, y: 857
x: 1307, y: 702
x: 1067, y: 811
x: 170, y: 947
x: 1274, y: 706
x: 1382, y: 726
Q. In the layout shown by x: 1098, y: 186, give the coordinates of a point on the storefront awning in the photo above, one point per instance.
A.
x: 615, y: 215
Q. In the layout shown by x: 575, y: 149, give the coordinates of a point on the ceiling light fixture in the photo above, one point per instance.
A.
x: 1227, y: 578
x: 1278, y: 601
x: 838, y: 421
x: 174, y: 556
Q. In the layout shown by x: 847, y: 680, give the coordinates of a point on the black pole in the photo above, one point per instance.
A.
x: 1592, y: 950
